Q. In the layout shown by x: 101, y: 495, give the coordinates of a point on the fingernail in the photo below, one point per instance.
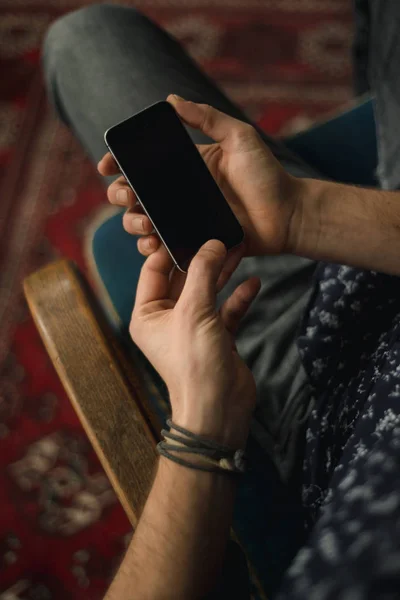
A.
x: 216, y: 243
x: 149, y: 243
x: 179, y: 98
x: 122, y: 196
x: 137, y: 223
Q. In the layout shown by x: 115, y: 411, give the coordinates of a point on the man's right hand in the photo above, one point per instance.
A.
x: 260, y: 192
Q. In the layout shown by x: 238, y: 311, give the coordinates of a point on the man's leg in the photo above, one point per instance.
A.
x: 104, y: 63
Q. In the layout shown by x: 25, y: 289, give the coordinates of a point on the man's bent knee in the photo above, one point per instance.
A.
x: 64, y: 35
x: 66, y: 43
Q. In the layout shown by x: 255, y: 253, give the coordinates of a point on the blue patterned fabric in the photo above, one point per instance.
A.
x: 350, y: 344
x: 349, y: 348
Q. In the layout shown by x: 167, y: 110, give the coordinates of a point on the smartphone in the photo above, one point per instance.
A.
x: 172, y: 182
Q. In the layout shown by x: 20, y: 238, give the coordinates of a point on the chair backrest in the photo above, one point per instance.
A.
x: 343, y: 148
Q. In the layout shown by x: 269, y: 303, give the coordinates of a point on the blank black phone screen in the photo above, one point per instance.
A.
x: 172, y: 182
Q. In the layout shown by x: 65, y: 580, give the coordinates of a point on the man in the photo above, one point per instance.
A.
x: 105, y: 63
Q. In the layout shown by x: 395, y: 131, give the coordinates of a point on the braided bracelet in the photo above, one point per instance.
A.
x: 210, y: 455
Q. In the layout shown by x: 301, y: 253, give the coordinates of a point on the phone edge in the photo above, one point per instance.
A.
x: 139, y: 200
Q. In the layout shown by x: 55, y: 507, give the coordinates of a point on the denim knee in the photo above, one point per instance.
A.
x: 62, y: 44
x: 64, y: 34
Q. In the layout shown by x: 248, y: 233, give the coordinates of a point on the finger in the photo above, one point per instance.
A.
x: 137, y: 223
x: 107, y: 165
x: 236, y: 306
x: 200, y: 289
x: 154, y: 278
x: 120, y: 194
x: 149, y: 244
x: 214, y: 123
x: 231, y: 264
x: 177, y: 283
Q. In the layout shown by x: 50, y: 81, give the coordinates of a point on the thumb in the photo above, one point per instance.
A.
x: 214, y: 123
x: 200, y: 288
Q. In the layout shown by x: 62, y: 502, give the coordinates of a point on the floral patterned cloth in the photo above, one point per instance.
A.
x: 350, y: 344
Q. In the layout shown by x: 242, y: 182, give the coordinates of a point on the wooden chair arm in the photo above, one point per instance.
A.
x: 101, y: 383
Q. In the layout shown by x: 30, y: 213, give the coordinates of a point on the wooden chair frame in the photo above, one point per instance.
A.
x: 104, y: 387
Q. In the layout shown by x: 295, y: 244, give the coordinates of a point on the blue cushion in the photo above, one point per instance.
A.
x: 118, y: 264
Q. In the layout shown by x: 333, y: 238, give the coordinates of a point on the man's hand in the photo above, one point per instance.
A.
x: 179, y: 545
x: 260, y: 192
x: 192, y: 345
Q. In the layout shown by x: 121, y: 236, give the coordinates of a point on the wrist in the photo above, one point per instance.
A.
x: 190, y: 480
x: 307, y: 217
x: 214, y: 425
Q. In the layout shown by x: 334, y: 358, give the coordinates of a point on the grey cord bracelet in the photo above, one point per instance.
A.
x: 216, y: 458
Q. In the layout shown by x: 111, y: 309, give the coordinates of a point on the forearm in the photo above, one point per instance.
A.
x: 179, y: 545
x: 346, y: 224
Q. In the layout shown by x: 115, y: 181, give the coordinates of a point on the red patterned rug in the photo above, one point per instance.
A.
x: 62, y: 532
